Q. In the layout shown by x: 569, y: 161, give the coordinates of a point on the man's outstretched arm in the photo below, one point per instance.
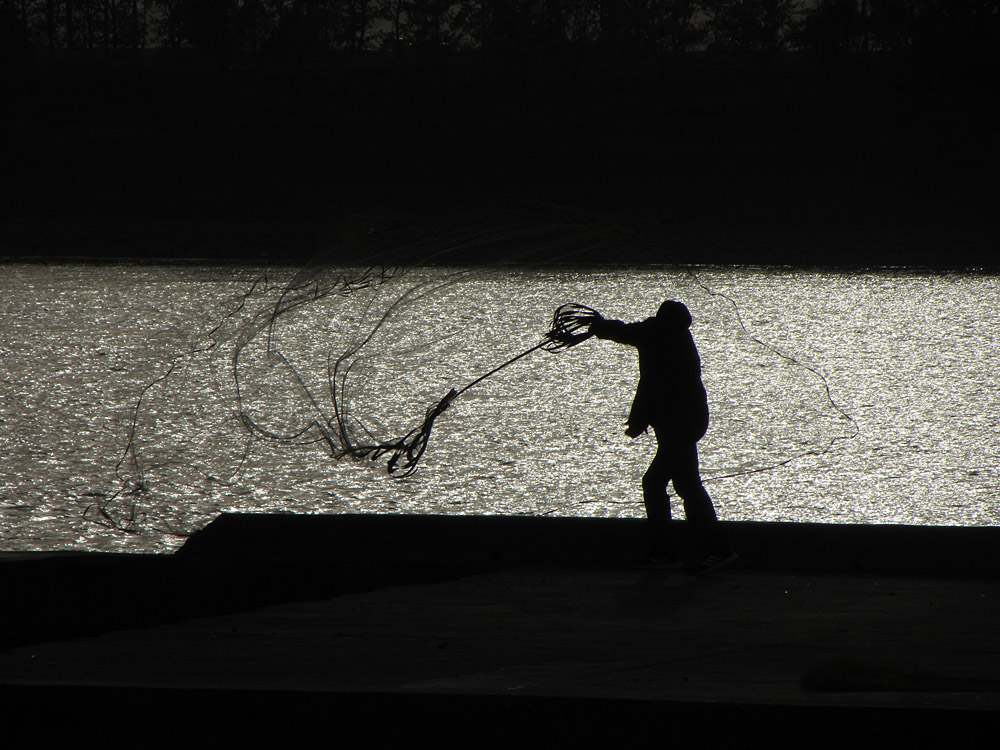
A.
x: 616, y: 330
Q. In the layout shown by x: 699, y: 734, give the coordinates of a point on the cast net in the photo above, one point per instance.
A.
x: 363, y: 362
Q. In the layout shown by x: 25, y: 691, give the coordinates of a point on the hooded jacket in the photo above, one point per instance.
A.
x: 670, y: 394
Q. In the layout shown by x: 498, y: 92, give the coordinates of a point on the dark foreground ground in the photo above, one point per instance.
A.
x: 498, y: 630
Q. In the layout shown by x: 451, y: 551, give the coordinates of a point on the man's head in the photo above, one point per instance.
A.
x: 674, y: 313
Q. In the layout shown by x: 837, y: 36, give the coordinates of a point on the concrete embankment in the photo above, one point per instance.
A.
x: 528, y: 629
x: 242, y: 561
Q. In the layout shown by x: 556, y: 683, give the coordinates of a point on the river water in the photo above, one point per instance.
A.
x: 836, y: 397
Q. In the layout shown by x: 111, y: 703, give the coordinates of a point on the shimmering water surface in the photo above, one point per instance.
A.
x: 867, y: 397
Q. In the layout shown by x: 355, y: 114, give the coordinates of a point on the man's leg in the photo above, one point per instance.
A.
x: 698, y: 507
x: 657, y: 502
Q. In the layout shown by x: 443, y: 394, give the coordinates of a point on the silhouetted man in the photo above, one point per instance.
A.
x: 671, y: 399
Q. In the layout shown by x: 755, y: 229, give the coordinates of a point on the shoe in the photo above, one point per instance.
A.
x: 714, y: 562
x: 659, y: 562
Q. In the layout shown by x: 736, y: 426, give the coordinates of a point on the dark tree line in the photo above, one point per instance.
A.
x: 74, y: 24
x: 521, y: 32
x: 923, y: 27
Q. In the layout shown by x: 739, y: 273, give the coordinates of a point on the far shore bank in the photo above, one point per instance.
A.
x: 730, y: 165
x: 934, y: 247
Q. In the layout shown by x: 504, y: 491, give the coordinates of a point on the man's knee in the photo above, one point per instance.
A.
x: 688, y: 486
x: 654, y: 481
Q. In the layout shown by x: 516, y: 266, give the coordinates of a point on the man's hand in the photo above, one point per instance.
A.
x: 570, y: 325
x: 635, y: 431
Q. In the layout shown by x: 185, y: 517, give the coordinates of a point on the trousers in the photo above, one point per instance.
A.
x: 676, y: 459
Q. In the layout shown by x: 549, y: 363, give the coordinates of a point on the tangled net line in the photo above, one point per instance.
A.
x: 253, y: 318
x: 570, y: 326
x: 345, y: 435
x: 302, y: 291
x: 816, y: 452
